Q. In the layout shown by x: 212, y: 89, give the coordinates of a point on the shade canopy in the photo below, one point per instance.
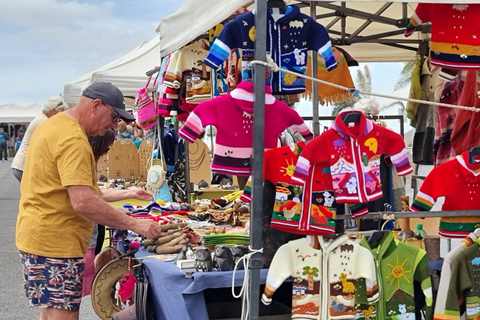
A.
x: 19, y: 112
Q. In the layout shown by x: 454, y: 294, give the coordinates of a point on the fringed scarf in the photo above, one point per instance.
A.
x: 340, y: 75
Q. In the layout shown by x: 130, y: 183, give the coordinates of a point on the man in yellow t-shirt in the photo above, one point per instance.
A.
x: 59, y: 201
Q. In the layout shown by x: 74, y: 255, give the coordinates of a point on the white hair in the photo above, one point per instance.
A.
x: 367, y: 106
x: 54, y: 103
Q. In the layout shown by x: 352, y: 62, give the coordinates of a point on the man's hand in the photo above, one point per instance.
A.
x: 147, y: 227
x: 141, y: 194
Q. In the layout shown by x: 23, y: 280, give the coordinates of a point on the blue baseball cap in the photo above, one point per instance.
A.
x: 111, y: 95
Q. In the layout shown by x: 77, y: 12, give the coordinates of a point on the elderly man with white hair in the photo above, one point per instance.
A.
x: 53, y: 106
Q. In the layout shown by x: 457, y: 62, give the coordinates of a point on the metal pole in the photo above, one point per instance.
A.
x: 315, y: 122
x: 258, y: 147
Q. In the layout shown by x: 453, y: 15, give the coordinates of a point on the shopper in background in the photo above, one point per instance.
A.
x: 139, y: 135
x: 3, y: 144
x: 123, y: 132
x: 60, y: 202
x: 53, y: 106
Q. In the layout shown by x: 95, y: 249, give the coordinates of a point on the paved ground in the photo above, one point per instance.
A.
x: 13, y: 303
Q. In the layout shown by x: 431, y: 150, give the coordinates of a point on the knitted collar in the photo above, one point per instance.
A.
x: 386, y: 246
x: 243, y: 95
x: 365, y: 125
x: 471, y: 171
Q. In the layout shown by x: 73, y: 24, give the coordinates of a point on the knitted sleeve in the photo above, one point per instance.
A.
x: 204, y: 114
x: 280, y: 269
x: 173, y: 74
x: 309, y: 156
x: 422, y: 14
x: 422, y: 276
x: 395, y: 147
x: 365, y: 268
x: 228, y: 39
x: 459, y: 283
x: 320, y: 41
x: 432, y: 187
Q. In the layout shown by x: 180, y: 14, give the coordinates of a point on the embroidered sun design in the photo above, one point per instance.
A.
x: 289, y: 169
x: 397, y: 272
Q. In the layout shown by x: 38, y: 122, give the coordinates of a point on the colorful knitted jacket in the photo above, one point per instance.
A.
x: 232, y: 116
x: 288, y: 41
x: 458, y: 180
x: 454, y: 43
x: 353, y: 151
x: 464, y: 285
x: 330, y: 277
x: 398, y: 265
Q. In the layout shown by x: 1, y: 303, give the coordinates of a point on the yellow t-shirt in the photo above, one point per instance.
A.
x: 59, y: 155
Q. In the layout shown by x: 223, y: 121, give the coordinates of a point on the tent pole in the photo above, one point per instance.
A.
x: 256, y: 242
x: 315, y: 122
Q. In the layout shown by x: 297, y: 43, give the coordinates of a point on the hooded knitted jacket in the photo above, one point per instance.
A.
x: 353, y: 151
x: 232, y: 116
x: 454, y: 43
x: 288, y: 40
x: 458, y: 180
x: 398, y: 265
x: 464, y: 284
x: 328, y: 282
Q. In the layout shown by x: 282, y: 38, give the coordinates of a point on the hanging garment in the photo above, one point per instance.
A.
x: 464, y: 285
x: 398, y: 265
x: 446, y: 275
x: 330, y: 277
x: 454, y: 36
x: 415, y: 93
x: 328, y: 94
x: 466, y: 129
x: 288, y: 40
x: 442, y: 146
x: 422, y: 150
x: 232, y: 116
x: 458, y: 180
x: 353, y: 151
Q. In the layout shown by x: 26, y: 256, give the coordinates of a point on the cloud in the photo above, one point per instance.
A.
x: 51, y: 43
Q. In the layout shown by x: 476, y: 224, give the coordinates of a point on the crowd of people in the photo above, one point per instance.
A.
x: 60, y: 201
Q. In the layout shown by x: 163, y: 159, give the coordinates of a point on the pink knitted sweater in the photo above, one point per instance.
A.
x: 232, y: 116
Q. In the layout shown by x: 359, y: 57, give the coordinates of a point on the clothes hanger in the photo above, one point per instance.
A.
x: 475, y: 151
x: 352, y: 117
x: 376, y: 237
x: 277, y: 4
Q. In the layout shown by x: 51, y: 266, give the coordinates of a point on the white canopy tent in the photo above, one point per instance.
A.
x: 126, y: 72
x: 19, y: 112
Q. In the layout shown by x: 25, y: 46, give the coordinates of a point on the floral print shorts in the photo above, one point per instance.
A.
x: 53, y: 282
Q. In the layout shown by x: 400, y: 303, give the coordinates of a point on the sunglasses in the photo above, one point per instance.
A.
x: 115, y: 115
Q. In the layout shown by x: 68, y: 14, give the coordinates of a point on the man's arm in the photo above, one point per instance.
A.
x: 135, y: 193
x: 87, y: 203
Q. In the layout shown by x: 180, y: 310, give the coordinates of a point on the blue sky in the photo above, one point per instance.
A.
x: 47, y: 44
x: 50, y: 43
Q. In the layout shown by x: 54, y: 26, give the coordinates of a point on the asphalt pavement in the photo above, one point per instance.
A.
x: 14, y: 304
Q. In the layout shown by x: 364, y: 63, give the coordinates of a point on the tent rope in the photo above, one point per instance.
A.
x: 245, y: 291
x: 272, y: 65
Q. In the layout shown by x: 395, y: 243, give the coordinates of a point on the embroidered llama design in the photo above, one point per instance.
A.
x: 348, y: 287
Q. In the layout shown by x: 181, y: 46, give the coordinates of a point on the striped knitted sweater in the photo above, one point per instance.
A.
x: 353, y: 153
x: 288, y: 40
x: 232, y: 116
x: 455, y: 33
x: 458, y: 180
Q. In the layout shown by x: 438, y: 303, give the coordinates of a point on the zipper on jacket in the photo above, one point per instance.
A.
x: 307, y: 200
x: 357, y: 158
x: 325, y: 283
x: 380, y: 311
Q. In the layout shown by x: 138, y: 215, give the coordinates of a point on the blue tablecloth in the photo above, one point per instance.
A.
x: 175, y: 296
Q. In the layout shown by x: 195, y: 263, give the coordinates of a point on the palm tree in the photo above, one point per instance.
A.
x: 405, y: 75
x: 364, y: 83
x: 310, y: 272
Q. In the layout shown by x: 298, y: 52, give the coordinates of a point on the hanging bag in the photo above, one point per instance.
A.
x: 146, y: 112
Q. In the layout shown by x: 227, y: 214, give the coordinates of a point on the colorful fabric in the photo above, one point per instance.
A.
x: 458, y: 180
x: 464, y: 285
x: 466, y: 131
x: 340, y: 75
x: 54, y: 162
x: 415, y: 93
x: 454, y: 42
x: 443, y: 286
x: 353, y: 152
x: 330, y: 277
x: 232, y: 116
x: 398, y: 265
x: 51, y: 282
x: 288, y: 40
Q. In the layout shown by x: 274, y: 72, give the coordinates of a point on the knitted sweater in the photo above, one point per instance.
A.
x: 448, y: 260
x: 458, y: 180
x: 232, y: 116
x: 464, y: 284
x: 288, y: 41
x: 398, y: 265
x: 353, y: 153
x: 454, y: 43
x: 328, y: 282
